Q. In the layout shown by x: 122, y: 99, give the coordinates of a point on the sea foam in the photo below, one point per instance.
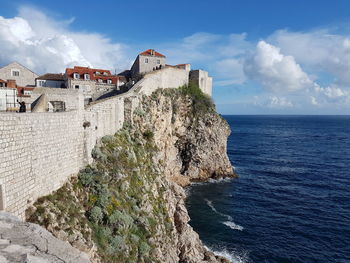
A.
x: 234, y: 256
x: 228, y: 223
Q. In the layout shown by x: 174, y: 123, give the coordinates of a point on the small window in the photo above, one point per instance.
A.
x: 105, y: 73
x: 109, y: 81
x: 41, y: 83
x: 27, y: 92
x: 158, y: 61
x: 86, y: 76
x: 146, y: 60
x: 100, y: 80
x: 76, y: 86
x: 97, y: 73
x: 76, y: 76
x: 15, y: 73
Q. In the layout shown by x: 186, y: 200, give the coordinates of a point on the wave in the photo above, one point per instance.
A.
x: 233, y: 226
x: 233, y: 256
x: 228, y: 223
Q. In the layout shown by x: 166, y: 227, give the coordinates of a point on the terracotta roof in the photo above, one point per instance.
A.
x: 3, y: 81
x: 92, y: 72
x: 51, y: 76
x: 148, y: 52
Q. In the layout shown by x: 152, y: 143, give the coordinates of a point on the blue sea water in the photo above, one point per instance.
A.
x: 291, y: 202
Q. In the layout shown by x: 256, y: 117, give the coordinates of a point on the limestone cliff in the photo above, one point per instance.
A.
x: 128, y: 206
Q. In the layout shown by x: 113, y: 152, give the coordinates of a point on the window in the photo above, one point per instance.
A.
x: 146, y: 60
x: 86, y: 76
x: 97, y: 73
x: 27, y: 92
x: 76, y: 86
x: 76, y: 76
x: 158, y: 61
x: 100, y: 80
x: 105, y: 73
x: 41, y: 83
x: 15, y: 73
x: 109, y: 81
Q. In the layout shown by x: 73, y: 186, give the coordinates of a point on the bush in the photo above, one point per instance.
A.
x: 202, y: 103
x: 144, y: 248
x: 96, y: 214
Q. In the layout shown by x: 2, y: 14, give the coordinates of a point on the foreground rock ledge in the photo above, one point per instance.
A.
x: 26, y: 242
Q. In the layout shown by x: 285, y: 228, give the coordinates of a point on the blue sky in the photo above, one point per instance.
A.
x: 266, y: 57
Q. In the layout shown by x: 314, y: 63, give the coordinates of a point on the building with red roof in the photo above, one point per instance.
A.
x: 147, y: 61
x: 92, y: 82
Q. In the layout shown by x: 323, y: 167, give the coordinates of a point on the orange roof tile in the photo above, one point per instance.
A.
x: 148, y: 52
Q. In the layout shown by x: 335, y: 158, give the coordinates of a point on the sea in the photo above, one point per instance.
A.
x: 291, y: 202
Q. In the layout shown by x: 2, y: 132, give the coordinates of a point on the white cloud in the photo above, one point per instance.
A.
x: 318, y: 50
x: 46, y: 45
x: 279, y: 102
x: 313, y: 100
x: 275, y: 71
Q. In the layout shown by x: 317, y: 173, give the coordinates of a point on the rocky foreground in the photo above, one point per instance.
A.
x: 30, y: 243
x: 129, y: 205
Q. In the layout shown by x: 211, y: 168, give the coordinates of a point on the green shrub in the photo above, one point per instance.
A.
x: 144, y: 248
x: 201, y: 102
x: 96, y: 214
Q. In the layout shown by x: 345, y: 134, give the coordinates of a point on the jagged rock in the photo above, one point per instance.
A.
x: 26, y: 242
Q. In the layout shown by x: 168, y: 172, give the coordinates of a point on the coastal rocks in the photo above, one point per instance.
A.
x: 26, y: 242
x: 192, y: 141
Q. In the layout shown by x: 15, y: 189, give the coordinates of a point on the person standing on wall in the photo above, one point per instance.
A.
x: 22, y: 107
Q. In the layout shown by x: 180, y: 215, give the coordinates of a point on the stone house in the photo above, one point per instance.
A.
x: 22, y: 75
x: 51, y: 80
x: 147, y: 61
x: 92, y: 82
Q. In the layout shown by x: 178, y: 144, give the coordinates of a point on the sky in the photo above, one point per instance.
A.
x: 266, y: 57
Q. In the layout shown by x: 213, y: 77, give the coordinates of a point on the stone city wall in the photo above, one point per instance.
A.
x: 40, y: 151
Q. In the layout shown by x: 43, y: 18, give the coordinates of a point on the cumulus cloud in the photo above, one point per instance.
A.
x: 319, y: 50
x: 46, y: 45
x: 275, y: 71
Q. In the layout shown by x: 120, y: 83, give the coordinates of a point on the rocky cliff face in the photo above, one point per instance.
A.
x: 129, y: 205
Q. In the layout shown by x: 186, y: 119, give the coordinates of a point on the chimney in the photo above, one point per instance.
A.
x: 11, y: 83
x: 152, y: 52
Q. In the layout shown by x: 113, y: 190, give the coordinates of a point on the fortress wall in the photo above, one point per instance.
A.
x: 164, y: 78
x: 102, y: 118
x: 38, y: 152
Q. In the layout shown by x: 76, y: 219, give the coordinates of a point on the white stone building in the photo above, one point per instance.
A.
x: 22, y: 75
x: 50, y: 80
x: 93, y: 83
x: 147, y: 61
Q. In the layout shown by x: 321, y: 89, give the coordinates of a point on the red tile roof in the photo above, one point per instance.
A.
x: 92, y: 72
x: 148, y: 52
x: 3, y: 81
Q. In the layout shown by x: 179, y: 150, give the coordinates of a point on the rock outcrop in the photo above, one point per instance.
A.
x: 26, y: 242
x: 130, y: 204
